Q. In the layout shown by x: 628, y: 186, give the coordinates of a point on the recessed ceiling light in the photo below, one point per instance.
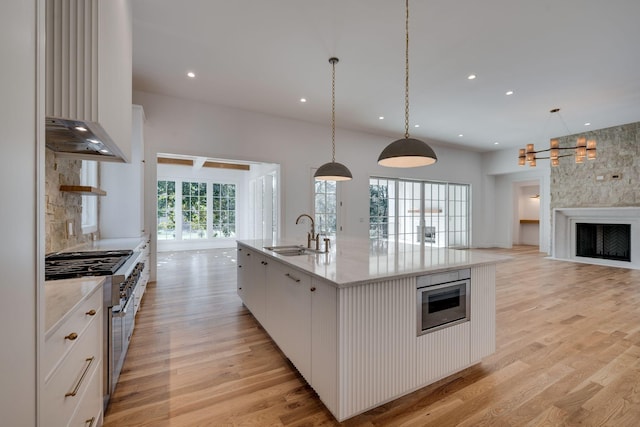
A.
x: 509, y: 92
x: 471, y: 76
x: 416, y: 126
x: 381, y: 118
x: 94, y: 141
x: 191, y: 74
x: 104, y: 150
x: 588, y: 124
x: 81, y: 128
x: 496, y: 143
x: 303, y: 99
x: 460, y: 135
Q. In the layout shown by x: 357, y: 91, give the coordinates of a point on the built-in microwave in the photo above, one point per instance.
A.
x: 443, y: 300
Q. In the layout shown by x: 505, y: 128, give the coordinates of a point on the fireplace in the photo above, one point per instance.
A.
x: 604, y: 241
x: 606, y: 236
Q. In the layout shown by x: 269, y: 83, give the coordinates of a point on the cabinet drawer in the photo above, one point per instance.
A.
x: 73, y: 375
x: 56, y: 345
x: 89, y: 412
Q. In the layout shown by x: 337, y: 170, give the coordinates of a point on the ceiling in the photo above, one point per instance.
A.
x: 579, y: 55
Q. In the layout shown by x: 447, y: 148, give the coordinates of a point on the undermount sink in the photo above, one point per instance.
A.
x: 292, y: 250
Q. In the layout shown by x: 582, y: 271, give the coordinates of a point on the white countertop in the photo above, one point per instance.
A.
x: 62, y: 296
x: 354, y: 262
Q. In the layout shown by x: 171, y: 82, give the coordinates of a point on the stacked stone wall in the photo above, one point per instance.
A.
x: 62, y: 208
x: 611, y: 180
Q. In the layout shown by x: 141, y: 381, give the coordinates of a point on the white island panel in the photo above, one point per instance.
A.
x: 377, y: 330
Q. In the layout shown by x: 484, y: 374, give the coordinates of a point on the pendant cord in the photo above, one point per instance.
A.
x: 406, y: 75
x: 333, y: 109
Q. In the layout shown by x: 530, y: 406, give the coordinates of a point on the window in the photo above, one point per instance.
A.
x: 381, y: 203
x: 224, y: 210
x: 326, y: 207
x: 419, y: 212
x: 89, y: 176
x: 166, y: 210
x: 194, y: 210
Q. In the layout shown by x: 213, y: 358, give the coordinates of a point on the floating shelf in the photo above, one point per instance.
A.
x: 529, y: 221
x: 83, y: 189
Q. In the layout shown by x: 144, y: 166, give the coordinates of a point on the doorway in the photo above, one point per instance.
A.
x: 526, y: 219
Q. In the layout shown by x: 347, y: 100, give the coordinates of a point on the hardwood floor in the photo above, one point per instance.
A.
x: 568, y: 354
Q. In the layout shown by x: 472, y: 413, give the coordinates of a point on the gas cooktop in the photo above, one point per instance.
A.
x: 68, y: 265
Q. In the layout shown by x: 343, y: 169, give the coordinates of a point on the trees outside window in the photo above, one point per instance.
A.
x: 195, y: 210
x: 166, y: 210
x: 326, y: 207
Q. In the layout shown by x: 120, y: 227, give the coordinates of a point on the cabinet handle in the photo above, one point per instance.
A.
x: 264, y: 262
x: 90, y: 422
x: 313, y: 289
x: 248, y: 254
x: 75, y: 390
x: 72, y: 336
x: 239, y: 266
x: 295, y: 279
x: 91, y: 312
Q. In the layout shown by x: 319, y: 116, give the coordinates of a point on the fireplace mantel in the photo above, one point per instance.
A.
x: 563, y: 233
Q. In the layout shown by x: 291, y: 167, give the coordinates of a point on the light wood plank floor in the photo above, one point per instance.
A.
x: 568, y: 354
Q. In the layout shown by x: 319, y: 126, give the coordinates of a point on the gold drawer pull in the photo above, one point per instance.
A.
x: 77, y: 387
x: 72, y: 336
x: 91, y: 312
x: 90, y: 421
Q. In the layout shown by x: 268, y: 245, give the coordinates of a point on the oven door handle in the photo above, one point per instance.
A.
x: 123, y: 312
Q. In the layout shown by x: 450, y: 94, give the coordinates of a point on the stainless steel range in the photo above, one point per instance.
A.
x: 122, y: 271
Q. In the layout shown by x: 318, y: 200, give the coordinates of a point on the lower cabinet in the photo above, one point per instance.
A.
x: 72, y: 393
x: 288, y: 313
x: 251, y: 281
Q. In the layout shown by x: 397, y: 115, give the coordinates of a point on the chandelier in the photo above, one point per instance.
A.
x: 584, y: 149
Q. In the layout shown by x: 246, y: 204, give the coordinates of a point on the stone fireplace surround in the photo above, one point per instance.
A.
x: 563, y: 233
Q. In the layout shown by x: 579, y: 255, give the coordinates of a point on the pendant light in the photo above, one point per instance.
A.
x: 333, y: 171
x: 407, y: 152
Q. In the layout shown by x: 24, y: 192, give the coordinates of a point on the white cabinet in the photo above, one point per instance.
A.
x: 252, y: 281
x: 122, y: 209
x: 72, y: 363
x: 299, y: 313
x: 324, y: 341
x: 288, y: 313
x: 89, y: 65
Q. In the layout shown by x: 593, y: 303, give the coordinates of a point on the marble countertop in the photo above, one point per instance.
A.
x: 62, y: 296
x: 355, y: 262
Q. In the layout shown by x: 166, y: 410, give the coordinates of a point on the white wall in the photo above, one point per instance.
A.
x: 21, y: 222
x: 180, y: 126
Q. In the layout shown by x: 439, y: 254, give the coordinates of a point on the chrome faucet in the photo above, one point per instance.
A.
x: 311, y: 236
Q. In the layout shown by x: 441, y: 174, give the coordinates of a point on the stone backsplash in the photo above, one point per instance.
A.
x: 607, y: 181
x: 62, y: 208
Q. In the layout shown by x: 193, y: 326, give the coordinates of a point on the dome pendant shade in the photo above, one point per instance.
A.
x: 407, y: 153
x: 333, y: 171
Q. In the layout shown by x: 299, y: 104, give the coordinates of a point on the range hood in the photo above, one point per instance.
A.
x: 80, y: 139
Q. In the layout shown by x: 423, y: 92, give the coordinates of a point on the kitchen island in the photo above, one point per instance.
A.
x: 347, y: 319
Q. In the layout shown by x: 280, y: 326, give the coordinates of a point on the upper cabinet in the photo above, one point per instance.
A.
x: 122, y: 208
x: 88, y: 78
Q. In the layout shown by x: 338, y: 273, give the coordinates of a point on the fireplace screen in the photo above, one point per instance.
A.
x: 606, y: 241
